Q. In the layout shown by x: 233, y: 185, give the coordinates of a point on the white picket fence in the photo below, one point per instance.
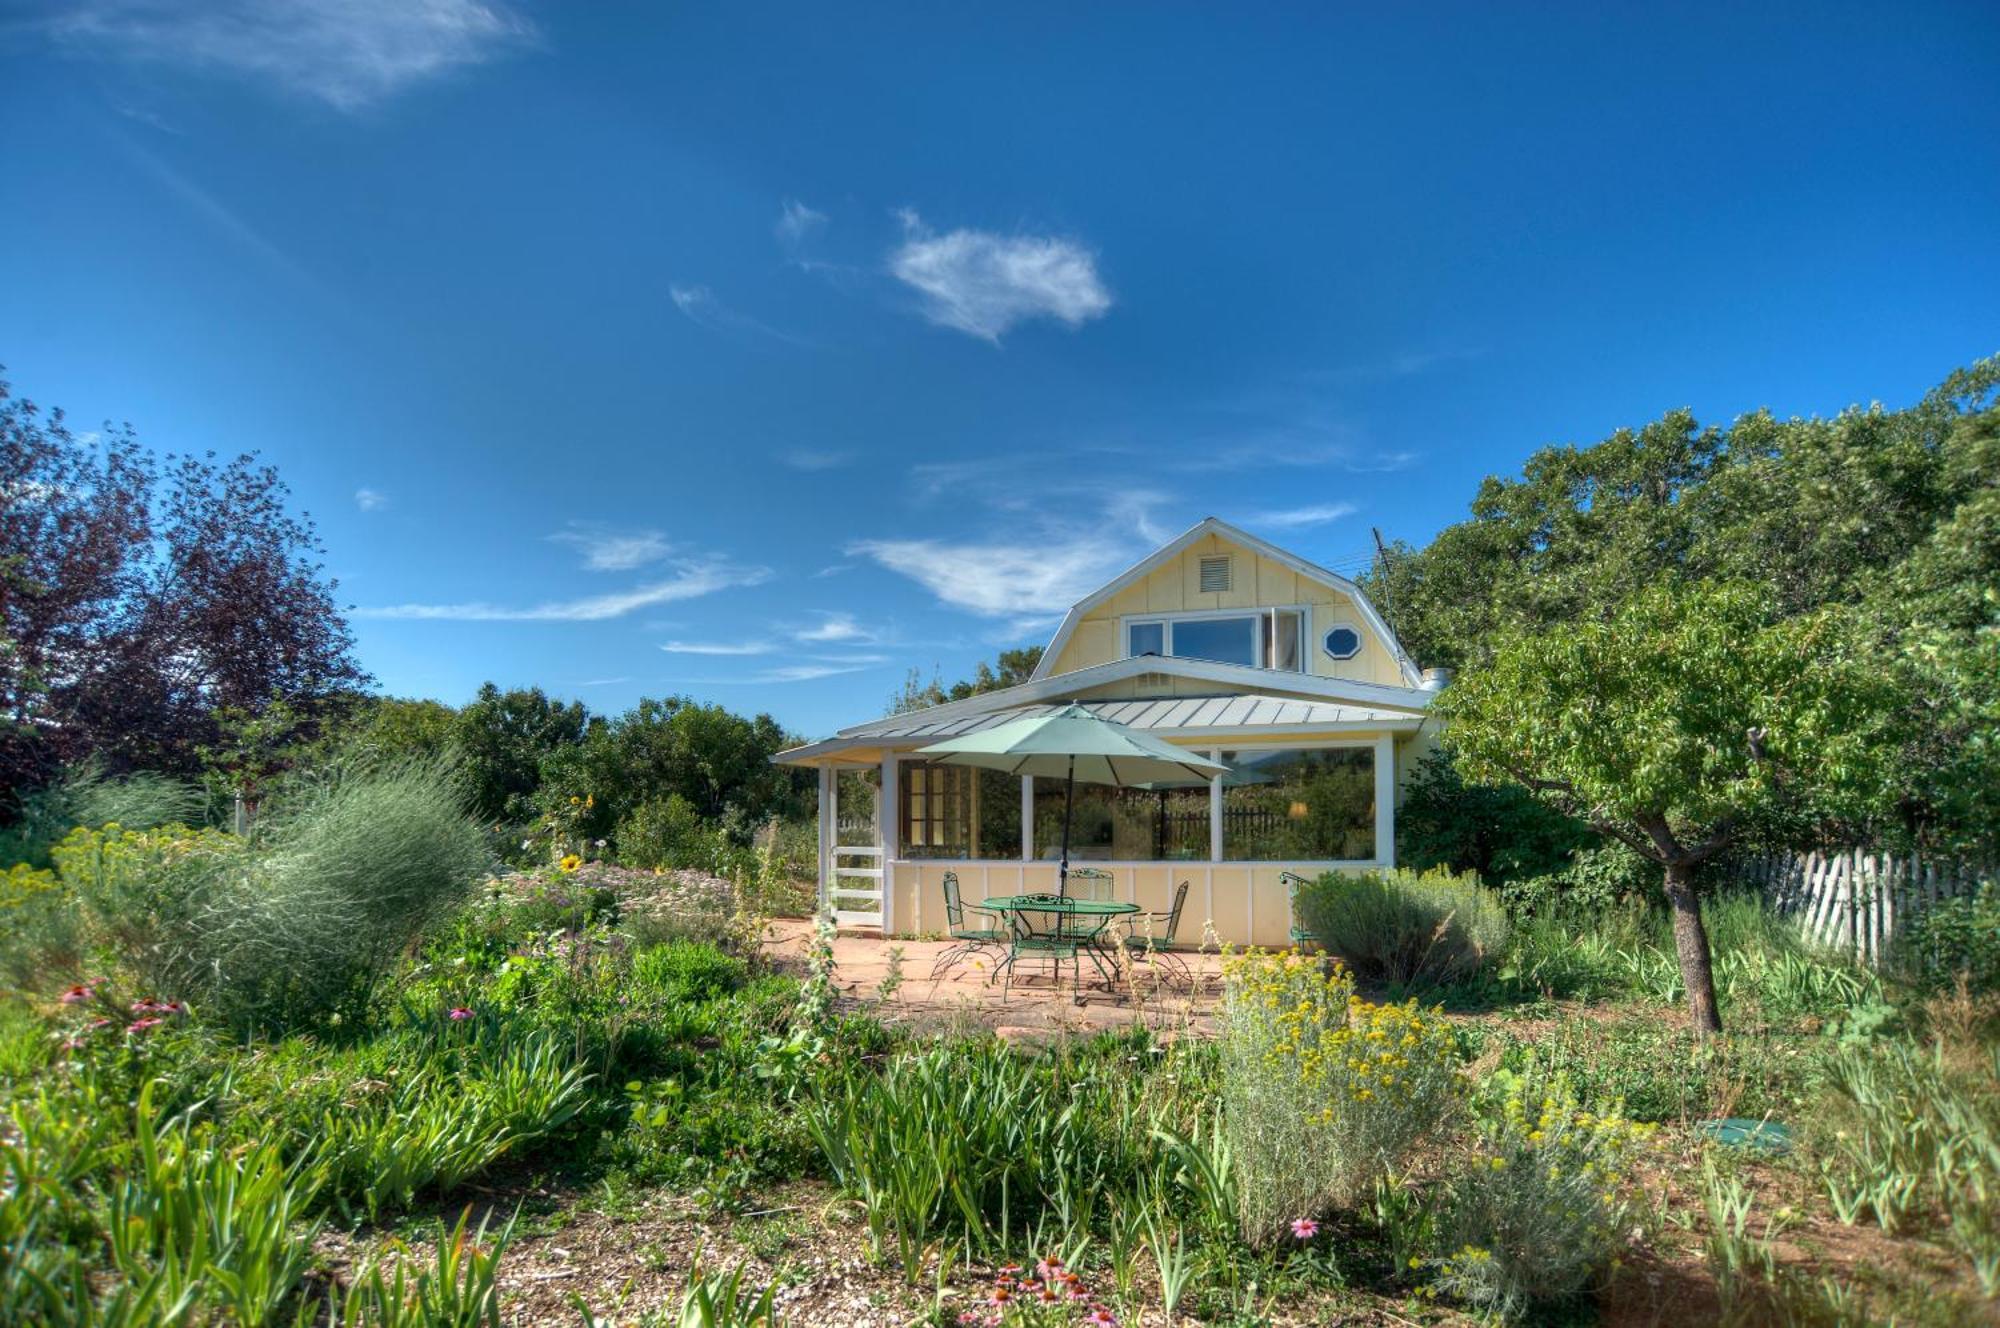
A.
x: 1854, y: 902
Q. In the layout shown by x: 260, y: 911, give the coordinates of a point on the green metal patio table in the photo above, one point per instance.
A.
x: 1059, y: 927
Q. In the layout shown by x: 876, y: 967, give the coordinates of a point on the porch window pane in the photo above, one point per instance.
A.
x: 1299, y: 805
x: 1149, y: 638
x: 957, y: 811
x: 1224, y: 640
x: 1123, y: 825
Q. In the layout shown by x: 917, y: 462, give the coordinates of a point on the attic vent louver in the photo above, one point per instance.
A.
x: 1214, y: 574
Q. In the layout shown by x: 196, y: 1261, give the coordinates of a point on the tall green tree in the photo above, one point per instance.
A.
x: 1684, y: 720
x: 1890, y: 514
x: 503, y: 741
x: 715, y: 761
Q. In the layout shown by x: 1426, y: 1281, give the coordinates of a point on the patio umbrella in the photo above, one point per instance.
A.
x: 1072, y: 744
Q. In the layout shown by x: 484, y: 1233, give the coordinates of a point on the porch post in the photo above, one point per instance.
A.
x: 829, y: 825
x: 1215, y: 812
x: 888, y: 830
x: 1385, y: 800
x: 1027, y: 818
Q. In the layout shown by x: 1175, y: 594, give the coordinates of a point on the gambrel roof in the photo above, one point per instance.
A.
x: 1166, y: 553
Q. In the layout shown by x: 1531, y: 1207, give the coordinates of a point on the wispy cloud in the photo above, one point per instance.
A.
x: 370, y: 500
x: 346, y: 53
x: 835, y: 627
x: 223, y: 219
x: 1004, y: 580
x: 692, y: 579
x: 615, y: 551
x: 806, y: 459
x: 983, y: 283
x: 781, y: 674
x: 699, y: 304
x: 796, y: 221
x: 832, y: 569
x: 1296, y: 518
x: 718, y: 647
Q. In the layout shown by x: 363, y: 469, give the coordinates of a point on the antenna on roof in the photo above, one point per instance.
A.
x: 1382, y: 561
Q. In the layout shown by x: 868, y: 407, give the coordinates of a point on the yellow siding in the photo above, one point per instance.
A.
x: 1228, y: 903
x: 1256, y: 582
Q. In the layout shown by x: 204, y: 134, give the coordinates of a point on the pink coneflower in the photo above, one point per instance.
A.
x: 100, y: 1023
x: 1304, y: 1228
x: 141, y: 1025
x: 77, y: 995
x: 1099, y: 1317
x: 460, y: 1013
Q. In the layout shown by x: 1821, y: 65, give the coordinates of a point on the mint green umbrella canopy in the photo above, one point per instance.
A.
x: 1072, y: 744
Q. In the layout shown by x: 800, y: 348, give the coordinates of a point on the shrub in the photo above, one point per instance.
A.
x: 295, y: 926
x: 1403, y: 927
x: 1537, y: 1211
x: 669, y: 832
x: 1322, y: 1092
x: 1954, y: 937
x: 687, y: 971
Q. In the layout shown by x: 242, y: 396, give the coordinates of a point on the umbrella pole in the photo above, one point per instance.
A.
x: 1069, y: 808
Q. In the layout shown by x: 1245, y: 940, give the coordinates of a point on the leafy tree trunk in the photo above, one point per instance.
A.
x: 1691, y: 945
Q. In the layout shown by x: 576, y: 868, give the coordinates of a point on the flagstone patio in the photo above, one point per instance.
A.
x: 969, y: 997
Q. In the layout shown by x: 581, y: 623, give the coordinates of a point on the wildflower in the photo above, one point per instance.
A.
x: 141, y: 1025
x: 570, y: 862
x: 1099, y: 1317
x: 77, y: 995
x: 460, y: 1013
x: 1304, y: 1228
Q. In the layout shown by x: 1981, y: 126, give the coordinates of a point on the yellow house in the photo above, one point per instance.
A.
x: 1218, y: 641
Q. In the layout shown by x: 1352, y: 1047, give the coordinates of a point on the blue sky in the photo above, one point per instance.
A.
x: 761, y: 352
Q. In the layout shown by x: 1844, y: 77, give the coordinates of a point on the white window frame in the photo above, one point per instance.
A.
x: 1360, y: 640
x: 1256, y: 617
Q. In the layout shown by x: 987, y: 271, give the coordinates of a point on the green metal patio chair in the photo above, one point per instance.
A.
x: 967, y: 940
x: 1156, y: 946
x: 1054, y: 934
x: 1292, y: 882
x: 1095, y: 884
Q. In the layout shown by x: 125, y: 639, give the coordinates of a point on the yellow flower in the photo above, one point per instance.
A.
x: 570, y: 862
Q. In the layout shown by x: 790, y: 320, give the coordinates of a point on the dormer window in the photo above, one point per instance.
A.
x: 1263, y: 638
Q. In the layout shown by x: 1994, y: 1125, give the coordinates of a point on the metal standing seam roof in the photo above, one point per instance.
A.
x: 1167, y: 713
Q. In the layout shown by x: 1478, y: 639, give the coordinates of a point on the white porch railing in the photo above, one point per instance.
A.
x: 858, y: 904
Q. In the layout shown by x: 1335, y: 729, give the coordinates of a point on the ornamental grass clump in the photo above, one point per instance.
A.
x: 1322, y: 1092
x: 294, y: 926
x: 1407, y: 928
x: 1537, y: 1212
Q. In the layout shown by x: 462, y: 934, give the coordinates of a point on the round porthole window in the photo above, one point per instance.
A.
x: 1343, y: 642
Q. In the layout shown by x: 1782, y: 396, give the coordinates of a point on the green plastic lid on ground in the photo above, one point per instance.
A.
x: 1761, y: 1136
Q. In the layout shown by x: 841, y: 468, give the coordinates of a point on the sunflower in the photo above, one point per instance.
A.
x: 570, y: 862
